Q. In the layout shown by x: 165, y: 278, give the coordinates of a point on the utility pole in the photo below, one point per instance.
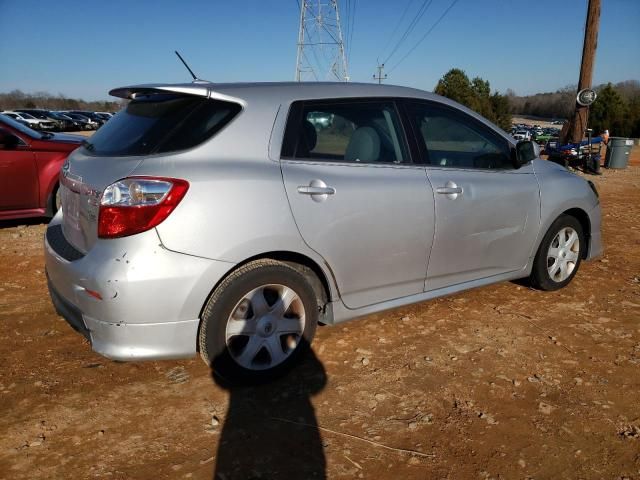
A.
x: 578, y: 124
x: 381, y: 76
x: 321, y: 53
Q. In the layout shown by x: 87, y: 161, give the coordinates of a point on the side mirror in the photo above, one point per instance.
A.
x: 524, y: 152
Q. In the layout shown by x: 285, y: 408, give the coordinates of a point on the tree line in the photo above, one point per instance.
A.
x: 476, y: 95
x: 617, y: 107
x: 18, y: 99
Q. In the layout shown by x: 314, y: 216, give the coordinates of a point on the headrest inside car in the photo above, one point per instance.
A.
x: 364, y: 146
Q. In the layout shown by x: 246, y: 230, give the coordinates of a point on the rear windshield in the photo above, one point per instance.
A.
x: 161, y: 123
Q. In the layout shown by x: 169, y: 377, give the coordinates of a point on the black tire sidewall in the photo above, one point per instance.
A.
x: 225, y: 298
x: 51, y: 209
x: 540, y: 274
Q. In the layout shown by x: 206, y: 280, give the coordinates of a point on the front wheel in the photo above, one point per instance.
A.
x: 258, y: 321
x: 559, y: 255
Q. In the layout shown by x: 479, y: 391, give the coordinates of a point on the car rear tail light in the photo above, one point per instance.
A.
x: 136, y: 204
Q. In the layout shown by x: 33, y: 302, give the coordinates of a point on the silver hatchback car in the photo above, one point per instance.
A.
x: 233, y: 218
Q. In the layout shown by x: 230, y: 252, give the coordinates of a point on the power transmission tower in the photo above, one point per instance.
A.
x: 381, y: 76
x: 321, y: 52
x: 578, y: 124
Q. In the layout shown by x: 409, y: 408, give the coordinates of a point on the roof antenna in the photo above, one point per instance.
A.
x: 195, y: 79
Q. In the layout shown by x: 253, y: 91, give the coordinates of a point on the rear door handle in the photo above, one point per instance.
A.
x: 450, y: 189
x: 316, y: 190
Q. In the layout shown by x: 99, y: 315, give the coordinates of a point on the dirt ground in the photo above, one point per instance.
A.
x: 502, y: 382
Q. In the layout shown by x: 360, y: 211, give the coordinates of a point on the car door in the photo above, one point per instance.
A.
x: 18, y: 173
x: 487, y: 212
x: 357, y: 198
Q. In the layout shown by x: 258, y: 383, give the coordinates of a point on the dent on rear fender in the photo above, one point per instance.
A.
x: 145, y: 283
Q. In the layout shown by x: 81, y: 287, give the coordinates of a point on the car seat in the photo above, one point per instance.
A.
x: 364, y: 146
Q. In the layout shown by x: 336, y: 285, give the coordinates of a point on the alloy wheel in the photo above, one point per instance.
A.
x: 563, y: 254
x: 265, y: 327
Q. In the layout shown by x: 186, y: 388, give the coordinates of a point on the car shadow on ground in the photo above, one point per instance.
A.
x: 24, y: 221
x: 270, y: 429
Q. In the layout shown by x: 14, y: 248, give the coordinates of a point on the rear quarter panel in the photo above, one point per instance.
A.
x: 236, y: 206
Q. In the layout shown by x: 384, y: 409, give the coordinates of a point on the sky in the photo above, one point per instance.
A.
x: 84, y: 48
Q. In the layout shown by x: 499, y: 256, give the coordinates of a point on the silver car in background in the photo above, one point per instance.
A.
x: 233, y: 218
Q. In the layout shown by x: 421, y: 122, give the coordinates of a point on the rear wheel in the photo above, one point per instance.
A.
x: 559, y: 255
x: 258, y: 321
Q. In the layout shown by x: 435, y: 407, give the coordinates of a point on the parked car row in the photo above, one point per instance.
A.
x: 59, y: 121
x: 540, y: 135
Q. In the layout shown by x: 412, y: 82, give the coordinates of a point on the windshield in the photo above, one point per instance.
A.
x: 27, y: 116
x: 87, y: 115
x: 161, y: 123
x: 39, y: 115
x: 75, y: 116
x: 19, y: 126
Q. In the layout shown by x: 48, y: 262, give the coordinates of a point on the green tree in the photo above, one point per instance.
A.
x: 501, y: 111
x: 456, y: 85
x: 475, y: 94
x: 609, y: 112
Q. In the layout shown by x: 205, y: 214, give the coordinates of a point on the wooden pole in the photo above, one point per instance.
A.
x: 578, y: 124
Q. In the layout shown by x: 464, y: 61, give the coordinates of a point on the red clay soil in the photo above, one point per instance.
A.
x: 499, y: 382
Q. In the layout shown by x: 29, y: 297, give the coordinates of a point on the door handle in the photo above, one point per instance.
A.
x: 317, y: 189
x: 450, y: 189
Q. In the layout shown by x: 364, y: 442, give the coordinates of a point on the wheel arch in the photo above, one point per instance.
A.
x: 315, y: 274
x: 310, y: 269
x: 585, y: 223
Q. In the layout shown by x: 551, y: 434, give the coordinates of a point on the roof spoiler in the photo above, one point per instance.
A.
x: 202, y: 89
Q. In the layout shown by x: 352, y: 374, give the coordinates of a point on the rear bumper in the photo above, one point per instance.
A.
x: 151, y: 298
x: 122, y: 341
x: 66, y: 310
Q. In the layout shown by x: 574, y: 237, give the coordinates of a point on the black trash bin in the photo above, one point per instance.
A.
x: 618, y: 150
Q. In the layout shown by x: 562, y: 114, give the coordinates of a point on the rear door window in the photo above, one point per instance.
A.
x: 161, y: 123
x: 355, y: 131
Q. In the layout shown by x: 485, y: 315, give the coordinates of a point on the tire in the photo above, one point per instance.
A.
x: 246, y: 333
x: 53, y: 205
x: 559, y: 255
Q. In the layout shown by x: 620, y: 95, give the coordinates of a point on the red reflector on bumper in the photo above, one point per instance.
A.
x: 93, y: 294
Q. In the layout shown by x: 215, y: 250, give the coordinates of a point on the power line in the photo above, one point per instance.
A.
x: 346, y: 22
x: 351, y: 29
x: 425, y: 35
x: 395, y: 30
x: 416, y: 19
x: 381, y: 75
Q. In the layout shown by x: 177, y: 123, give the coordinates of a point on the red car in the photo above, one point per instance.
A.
x: 30, y: 163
